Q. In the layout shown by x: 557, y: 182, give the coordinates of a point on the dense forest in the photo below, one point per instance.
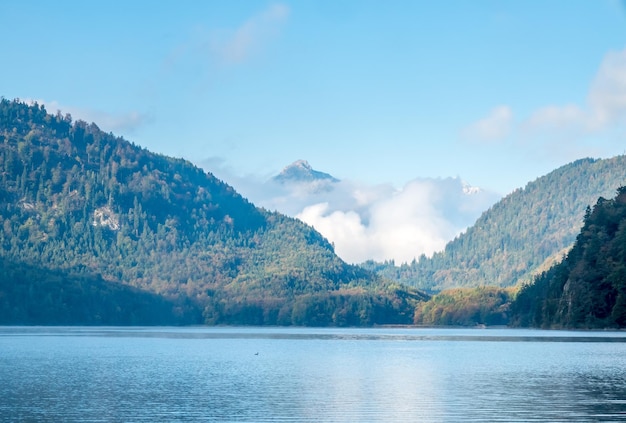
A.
x: 94, y: 229
x: 520, y: 236
x: 37, y: 295
x: 588, y: 288
x: 487, y: 306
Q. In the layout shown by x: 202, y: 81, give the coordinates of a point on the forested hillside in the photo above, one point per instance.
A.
x: 588, y: 288
x: 525, y: 232
x: 466, y: 307
x: 89, y: 213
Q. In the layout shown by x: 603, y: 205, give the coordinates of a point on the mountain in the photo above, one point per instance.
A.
x: 588, y: 288
x: 519, y: 236
x: 301, y: 171
x: 100, y: 224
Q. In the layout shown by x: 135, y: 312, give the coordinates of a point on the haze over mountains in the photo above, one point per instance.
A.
x: 364, y: 222
x: 459, y: 234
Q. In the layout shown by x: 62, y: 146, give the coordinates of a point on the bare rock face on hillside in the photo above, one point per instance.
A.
x: 104, y: 216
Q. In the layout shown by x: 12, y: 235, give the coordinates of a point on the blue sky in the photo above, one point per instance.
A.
x: 497, y: 93
x: 365, y: 90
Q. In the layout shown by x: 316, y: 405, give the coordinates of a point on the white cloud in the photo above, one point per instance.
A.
x: 238, y: 45
x: 366, y: 222
x: 494, y: 127
x: 605, y: 105
x: 592, y: 129
x: 344, y: 228
x: 607, y: 96
x: 398, y: 225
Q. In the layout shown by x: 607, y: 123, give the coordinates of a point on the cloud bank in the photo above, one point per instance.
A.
x: 376, y: 222
x: 384, y: 223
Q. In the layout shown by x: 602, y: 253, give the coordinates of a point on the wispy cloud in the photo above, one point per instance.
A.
x: 605, y: 105
x: 607, y: 96
x: 125, y: 123
x: 494, y: 127
x: 238, y: 45
x: 556, y: 117
x: 582, y: 126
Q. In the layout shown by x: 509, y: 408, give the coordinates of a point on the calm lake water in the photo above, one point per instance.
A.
x: 310, y: 375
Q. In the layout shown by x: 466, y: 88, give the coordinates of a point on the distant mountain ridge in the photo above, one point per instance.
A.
x: 520, y: 235
x: 108, y: 232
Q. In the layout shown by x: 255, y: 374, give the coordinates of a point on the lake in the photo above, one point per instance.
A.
x: 230, y: 374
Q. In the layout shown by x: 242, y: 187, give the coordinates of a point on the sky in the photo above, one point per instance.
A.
x: 392, y: 98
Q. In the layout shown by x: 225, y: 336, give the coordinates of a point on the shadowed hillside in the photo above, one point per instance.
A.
x: 588, y: 288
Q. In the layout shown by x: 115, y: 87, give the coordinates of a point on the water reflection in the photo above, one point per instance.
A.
x: 333, y: 375
x: 368, y: 334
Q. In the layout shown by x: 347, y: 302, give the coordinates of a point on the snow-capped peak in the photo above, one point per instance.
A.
x: 470, y: 190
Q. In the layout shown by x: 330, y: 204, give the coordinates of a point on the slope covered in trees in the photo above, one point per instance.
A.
x: 36, y: 295
x: 466, y: 307
x: 82, y: 209
x: 588, y: 288
x: 520, y: 235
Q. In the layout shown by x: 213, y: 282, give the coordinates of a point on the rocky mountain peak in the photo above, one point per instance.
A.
x: 301, y: 171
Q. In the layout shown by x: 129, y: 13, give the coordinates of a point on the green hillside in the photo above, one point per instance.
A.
x: 519, y: 236
x: 88, y: 212
x: 483, y: 305
x: 588, y: 288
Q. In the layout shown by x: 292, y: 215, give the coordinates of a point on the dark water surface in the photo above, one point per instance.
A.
x: 310, y: 375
